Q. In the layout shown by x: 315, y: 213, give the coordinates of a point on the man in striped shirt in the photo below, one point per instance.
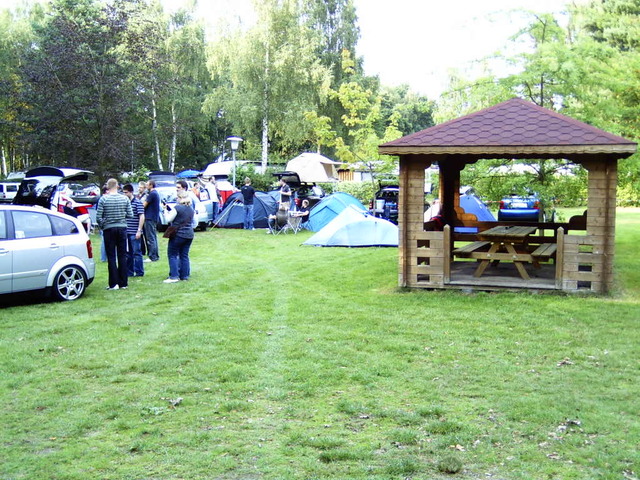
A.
x: 112, y: 213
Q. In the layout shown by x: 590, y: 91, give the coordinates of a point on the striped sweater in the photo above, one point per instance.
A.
x: 113, y: 211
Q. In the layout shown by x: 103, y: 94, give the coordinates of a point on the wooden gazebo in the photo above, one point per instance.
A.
x: 577, y: 255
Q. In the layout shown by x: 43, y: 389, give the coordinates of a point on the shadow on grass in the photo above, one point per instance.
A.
x: 24, y: 299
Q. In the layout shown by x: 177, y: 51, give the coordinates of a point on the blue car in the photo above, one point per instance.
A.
x: 522, y: 208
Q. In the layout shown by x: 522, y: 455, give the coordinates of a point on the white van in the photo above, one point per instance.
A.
x: 8, y: 190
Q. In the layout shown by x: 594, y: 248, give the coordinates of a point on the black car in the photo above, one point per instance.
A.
x: 385, y: 203
x: 299, y: 190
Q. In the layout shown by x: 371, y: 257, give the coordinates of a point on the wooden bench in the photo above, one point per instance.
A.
x: 544, y: 252
x: 467, y: 250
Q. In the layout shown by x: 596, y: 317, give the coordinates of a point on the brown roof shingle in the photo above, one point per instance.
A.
x: 514, y: 126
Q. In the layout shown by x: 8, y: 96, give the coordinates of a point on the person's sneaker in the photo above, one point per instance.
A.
x: 170, y: 280
x: 147, y: 260
x: 113, y: 288
x: 123, y: 288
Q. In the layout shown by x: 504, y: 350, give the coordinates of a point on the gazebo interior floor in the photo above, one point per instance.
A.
x: 503, y: 275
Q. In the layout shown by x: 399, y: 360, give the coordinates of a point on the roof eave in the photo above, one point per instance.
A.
x: 620, y: 150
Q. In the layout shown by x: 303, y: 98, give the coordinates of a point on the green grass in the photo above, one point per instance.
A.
x: 297, y: 362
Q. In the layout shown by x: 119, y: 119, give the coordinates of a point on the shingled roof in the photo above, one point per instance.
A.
x: 515, y: 128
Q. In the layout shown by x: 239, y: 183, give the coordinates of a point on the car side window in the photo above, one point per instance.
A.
x: 31, y: 224
x: 3, y: 226
x: 62, y: 226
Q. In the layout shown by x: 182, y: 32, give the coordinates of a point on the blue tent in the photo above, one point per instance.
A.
x: 473, y: 204
x: 188, y: 174
x: 355, y: 228
x: 232, y: 215
x: 329, y: 208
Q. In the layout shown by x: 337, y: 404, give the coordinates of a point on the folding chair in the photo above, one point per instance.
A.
x: 279, y: 222
x: 295, y: 222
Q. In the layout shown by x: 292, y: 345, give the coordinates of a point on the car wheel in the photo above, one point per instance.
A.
x: 69, y: 284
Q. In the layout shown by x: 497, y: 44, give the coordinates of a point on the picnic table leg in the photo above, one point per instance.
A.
x: 511, y: 249
x: 485, y: 263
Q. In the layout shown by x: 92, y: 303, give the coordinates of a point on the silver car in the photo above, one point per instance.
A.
x: 44, y: 250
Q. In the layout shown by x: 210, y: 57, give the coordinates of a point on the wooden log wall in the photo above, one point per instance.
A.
x: 588, y: 262
x: 412, y: 239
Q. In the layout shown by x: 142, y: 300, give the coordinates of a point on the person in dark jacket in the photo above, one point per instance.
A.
x: 248, y: 193
x: 181, y: 216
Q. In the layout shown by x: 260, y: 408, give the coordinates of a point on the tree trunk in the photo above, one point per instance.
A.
x: 265, y: 142
x: 265, y: 113
x: 4, y: 163
x: 154, y: 127
x: 174, y: 138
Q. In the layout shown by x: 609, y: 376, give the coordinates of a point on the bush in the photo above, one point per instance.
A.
x: 363, y: 191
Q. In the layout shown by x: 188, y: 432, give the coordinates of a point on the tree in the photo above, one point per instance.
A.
x: 268, y: 77
x: 76, y: 87
x: 16, y: 33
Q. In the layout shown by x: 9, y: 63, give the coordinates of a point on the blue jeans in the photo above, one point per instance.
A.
x: 178, y: 253
x: 103, y: 251
x: 135, y: 265
x: 150, y: 234
x: 115, y: 242
x: 248, y: 217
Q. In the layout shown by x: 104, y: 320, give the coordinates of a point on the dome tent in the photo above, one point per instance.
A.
x: 232, y: 215
x: 355, y: 228
x: 329, y: 208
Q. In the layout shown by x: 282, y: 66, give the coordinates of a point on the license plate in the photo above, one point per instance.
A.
x: 519, y: 205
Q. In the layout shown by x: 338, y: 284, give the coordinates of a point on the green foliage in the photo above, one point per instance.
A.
x: 363, y: 191
x: 492, y: 182
x: 260, y: 181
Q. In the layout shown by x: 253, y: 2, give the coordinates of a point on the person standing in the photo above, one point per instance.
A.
x: 181, y: 217
x: 151, y: 219
x: 142, y: 191
x: 213, y: 195
x: 111, y: 215
x: 135, y: 264
x: 248, y: 193
x: 285, y: 195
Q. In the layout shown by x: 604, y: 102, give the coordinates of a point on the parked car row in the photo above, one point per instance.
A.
x: 166, y: 188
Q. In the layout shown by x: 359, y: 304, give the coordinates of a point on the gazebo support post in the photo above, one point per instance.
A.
x: 450, y: 189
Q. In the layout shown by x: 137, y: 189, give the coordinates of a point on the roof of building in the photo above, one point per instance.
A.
x: 512, y: 128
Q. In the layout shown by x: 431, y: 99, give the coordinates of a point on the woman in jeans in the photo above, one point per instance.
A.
x: 179, y: 245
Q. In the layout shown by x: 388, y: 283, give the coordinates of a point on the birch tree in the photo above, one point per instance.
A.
x: 268, y: 77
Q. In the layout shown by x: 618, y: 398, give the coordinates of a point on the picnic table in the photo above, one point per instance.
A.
x: 508, y: 243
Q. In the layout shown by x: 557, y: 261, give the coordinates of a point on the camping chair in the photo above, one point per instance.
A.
x: 294, y: 222
x: 279, y: 222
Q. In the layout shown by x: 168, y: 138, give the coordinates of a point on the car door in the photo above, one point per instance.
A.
x: 34, y: 250
x: 6, y: 258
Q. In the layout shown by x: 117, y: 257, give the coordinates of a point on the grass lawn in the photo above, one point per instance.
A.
x: 278, y: 361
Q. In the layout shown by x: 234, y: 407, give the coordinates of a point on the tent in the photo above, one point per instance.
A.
x: 232, y: 215
x: 188, y: 174
x: 329, y: 208
x: 471, y: 204
x: 225, y: 189
x: 313, y: 168
x: 355, y: 228
x: 218, y: 169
